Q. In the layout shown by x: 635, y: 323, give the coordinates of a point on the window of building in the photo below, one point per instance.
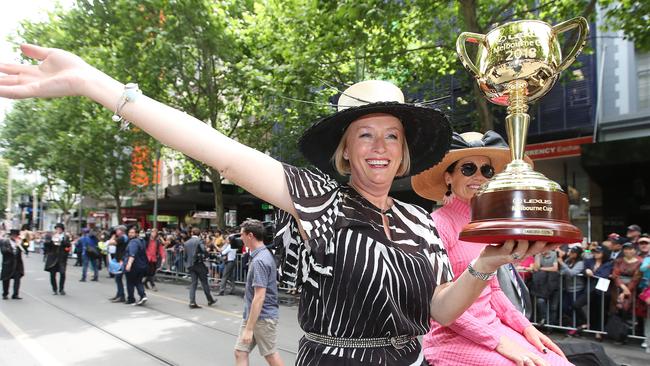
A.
x: 643, y: 79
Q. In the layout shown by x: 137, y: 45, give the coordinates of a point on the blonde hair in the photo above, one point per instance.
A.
x: 343, y: 165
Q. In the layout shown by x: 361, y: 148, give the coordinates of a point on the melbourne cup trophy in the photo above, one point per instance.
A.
x: 518, y: 63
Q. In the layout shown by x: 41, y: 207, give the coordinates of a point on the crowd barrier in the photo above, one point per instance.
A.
x: 550, y: 311
x: 174, y: 266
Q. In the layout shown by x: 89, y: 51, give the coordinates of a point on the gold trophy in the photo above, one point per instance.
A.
x: 518, y: 63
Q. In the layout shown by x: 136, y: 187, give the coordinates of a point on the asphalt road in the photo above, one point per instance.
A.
x: 84, y: 328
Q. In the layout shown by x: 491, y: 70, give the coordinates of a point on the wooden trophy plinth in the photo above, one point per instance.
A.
x: 520, y: 215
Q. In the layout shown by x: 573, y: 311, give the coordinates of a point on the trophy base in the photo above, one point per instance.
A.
x: 520, y: 215
x: 498, y: 231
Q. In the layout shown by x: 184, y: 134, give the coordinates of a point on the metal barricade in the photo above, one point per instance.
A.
x: 555, y: 318
x: 174, y: 267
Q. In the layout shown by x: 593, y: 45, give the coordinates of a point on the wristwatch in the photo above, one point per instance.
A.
x: 480, y: 275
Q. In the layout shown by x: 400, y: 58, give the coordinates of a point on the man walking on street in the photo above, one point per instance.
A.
x: 261, y: 313
x: 89, y: 254
x: 230, y: 255
x: 57, y: 247
x: 12, y: 264
x: 195, y: 253
x: 135, y: 268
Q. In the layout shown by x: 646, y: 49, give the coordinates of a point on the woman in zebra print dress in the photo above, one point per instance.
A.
x: 373, y: 268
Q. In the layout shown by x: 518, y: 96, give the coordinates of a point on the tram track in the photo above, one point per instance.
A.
x: 159, y: 358
x: 163, y: 360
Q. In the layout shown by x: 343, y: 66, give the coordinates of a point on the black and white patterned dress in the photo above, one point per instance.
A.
x: 357, y: 283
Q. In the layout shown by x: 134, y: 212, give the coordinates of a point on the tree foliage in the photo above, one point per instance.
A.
x: 259, y: 71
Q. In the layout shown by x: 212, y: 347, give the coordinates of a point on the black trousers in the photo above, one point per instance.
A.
x: 134, y: 281
x: 5, y: 285
x: 197, y: 275
x: 61, y: 280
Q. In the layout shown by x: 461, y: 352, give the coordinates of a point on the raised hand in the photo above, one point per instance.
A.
x: 60, y: 73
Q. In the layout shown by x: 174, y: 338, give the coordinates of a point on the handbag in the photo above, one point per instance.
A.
x: 645, y: 295
x: 114, y: 267
x: 92, y: 252
x: 616, y: 328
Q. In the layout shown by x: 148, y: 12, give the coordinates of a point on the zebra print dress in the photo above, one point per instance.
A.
x: 357, y: 283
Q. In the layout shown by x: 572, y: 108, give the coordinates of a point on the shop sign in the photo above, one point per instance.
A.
x: 205, y: 215
x: 556, y: 149
x: 163, y: 218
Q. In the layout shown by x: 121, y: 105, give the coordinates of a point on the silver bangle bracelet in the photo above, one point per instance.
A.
x: 131, y: 93
x: 480, y: 275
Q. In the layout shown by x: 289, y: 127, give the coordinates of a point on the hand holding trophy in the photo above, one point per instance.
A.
x: 518, y: 63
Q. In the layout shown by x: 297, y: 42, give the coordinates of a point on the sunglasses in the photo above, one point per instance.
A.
x: 469, y: 169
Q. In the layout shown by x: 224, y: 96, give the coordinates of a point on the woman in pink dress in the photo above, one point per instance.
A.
x: 491, y: 332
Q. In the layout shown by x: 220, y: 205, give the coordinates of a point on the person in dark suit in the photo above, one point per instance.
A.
x: 515, y: 289
x: 57, y: 247
x: 12, y: 264
x: 194, y: 255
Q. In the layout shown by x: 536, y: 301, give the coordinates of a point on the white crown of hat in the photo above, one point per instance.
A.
x: 369, y: 91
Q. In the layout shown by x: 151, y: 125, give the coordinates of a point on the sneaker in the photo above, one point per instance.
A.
x: 61, y: 292
x: 644, y: 344
x: 82, y: 280
x: 118, y: 299
x: 194, y: 306
x: 212, y: 302
x: 95, y: 279
x: 142, y: 301
x: 130, y: 302
x: 55, y: 292
x: 16, y: 297
x: 5, y: 297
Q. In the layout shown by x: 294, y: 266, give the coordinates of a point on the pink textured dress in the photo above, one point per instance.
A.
x: 473, y: 337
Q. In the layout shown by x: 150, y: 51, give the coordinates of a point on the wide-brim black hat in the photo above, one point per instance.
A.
x: 427, y: 130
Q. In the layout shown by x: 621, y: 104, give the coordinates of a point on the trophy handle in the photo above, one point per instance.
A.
x: 583, y: 31
x: 462, y: 51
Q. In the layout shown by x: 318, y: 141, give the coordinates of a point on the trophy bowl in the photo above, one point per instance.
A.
x: 517, y: 63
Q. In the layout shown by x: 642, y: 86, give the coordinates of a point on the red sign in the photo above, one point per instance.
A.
x: 140, y: 164
x: 556, y: 149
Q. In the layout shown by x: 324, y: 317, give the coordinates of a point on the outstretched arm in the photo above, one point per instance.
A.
x: 63, y: 74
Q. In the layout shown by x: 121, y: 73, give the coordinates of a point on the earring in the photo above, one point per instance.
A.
x: 449, y: 196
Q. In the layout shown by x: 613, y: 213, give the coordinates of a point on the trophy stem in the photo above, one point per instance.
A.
x: 517, y: 120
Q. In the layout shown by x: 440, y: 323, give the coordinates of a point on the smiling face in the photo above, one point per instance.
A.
x: 465, y: 187
x: 374, y: 149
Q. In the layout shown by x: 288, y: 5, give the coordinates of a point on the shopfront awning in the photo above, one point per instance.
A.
x: 611, y: 161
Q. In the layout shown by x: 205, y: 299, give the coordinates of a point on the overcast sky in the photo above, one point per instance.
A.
x: 12, y: 13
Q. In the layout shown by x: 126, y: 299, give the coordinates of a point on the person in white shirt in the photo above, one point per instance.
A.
x: 230, y: 254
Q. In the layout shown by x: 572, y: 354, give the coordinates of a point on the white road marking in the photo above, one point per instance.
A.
x: 30, y: 345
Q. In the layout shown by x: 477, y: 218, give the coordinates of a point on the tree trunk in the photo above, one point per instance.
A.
x: 215, y: 176
x: 468, y: 12
x: 118, y: 209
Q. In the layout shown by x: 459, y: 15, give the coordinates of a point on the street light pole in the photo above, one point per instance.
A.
x: 156, y: 184
x: 81, y: 197
x: 9, y: 194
